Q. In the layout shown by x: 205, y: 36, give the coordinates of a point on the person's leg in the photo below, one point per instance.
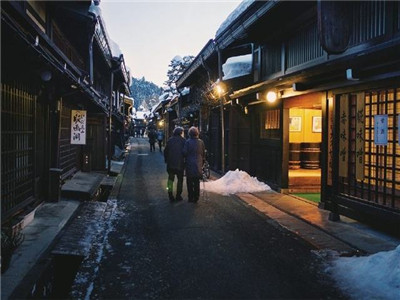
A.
x: 189, y: 184
x: 179, y: 186
x: 159, y: 145
x: 170, y: 185
x: 196, y: 189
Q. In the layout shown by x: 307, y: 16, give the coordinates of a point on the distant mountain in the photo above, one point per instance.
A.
x: 145, y: 93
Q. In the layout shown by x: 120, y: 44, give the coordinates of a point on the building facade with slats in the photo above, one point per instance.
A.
x: 334, y: 126
x: 53, y: 62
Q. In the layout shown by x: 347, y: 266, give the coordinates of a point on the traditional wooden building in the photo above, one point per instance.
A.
x: 321, y: 105
x: 60, y: 90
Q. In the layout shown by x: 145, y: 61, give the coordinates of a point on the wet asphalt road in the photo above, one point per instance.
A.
x: 216, y: 249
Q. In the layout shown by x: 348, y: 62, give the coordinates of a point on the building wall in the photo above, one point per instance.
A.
x: 306, y: 133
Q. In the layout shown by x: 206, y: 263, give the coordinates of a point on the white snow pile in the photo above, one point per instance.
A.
x: 237, y: 66
x: 235, y: 182
x: 370, y: 277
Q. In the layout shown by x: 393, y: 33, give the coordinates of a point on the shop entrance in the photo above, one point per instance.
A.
x: 305, y: 136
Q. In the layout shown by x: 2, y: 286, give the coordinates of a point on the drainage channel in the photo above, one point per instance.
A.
x: 59, y: 268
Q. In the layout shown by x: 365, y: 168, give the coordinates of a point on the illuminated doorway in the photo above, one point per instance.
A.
x: 305, y: 137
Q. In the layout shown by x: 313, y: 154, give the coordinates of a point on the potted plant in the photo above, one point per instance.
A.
x: 9, y: 242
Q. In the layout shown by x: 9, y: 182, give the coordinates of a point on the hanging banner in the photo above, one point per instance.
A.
x: 360, y: 143
x: 78, y: 127
x: 344, y: 136
x: 330, y: 140
x: 381, y: 130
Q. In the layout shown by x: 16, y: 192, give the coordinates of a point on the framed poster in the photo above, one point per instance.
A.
x: 316, y: 124
x: 294, y: 124
x: 78, y: 127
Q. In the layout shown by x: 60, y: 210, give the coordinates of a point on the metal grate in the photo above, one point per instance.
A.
x: 381, y: 183
x: 17, y: 147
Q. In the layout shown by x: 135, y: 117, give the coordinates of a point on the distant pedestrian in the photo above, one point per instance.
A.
x: 194, y: 152
x: 152, y: 135
x: 173, y: 155
x: 160, y: 138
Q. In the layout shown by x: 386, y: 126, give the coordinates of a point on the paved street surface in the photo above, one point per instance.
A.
x: 217, y: 248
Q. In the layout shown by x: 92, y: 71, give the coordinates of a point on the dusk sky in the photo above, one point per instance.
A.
x: 150, y: 33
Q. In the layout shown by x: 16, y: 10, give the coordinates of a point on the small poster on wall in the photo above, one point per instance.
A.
x: 381, y: 130
x: 78, y: 127
x: 316, y: 124
x: 294, y: 124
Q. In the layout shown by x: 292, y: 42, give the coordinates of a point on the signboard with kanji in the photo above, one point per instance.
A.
x: 381, y: 130
x: 344, y: 136
x: 78, y: 127
x: 360, y: 135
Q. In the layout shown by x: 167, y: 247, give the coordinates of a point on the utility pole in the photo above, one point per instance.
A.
x: 221, y: 99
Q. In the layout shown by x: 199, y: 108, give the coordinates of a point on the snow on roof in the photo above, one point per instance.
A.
x: 185, y: 91
x: 115, y: 50
x: 369, y: 277
x: 178, y: 58
x: 237, y: 66
x: 96, y: 10
x: 233, y: 15
x: 142, y: 114
x: 235, y: 182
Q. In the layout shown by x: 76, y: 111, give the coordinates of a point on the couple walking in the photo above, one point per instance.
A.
x: 180, y: 154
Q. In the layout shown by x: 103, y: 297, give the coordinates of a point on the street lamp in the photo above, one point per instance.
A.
x: 220, y: 92
x: 271, y: 96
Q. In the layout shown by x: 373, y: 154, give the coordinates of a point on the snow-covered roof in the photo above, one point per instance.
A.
x: 237, y: 66
x: 142, y: 115
x: 233, y: 15
x: 185, y: 91
x: 115, y: 50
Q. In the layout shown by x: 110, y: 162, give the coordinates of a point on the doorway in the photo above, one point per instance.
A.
x: 305, y: 137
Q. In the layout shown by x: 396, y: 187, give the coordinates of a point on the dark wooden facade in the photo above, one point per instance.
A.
x: 299, y: 60
x: 49, y: 67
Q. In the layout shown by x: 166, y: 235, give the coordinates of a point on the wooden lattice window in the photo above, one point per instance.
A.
x: 270, y: 124
x: 17, y: 148
x: 380, y: 180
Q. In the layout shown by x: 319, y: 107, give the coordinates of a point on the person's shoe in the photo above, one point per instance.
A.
x: 178, y: 198
x: 171, y: 197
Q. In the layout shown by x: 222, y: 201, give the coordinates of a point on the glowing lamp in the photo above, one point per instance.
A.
x: 271, y: 97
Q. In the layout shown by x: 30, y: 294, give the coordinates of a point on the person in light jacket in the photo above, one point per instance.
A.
x: 194, y: 152
x: 173, y: 156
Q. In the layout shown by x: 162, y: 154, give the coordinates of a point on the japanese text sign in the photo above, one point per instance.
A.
x: 381, y: 130
x: 78, y: 127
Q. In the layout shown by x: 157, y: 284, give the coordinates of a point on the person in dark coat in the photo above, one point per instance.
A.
x: 160, y: 138
x: 194, y: 152
x: 152, y: 139
x: 173, y: 156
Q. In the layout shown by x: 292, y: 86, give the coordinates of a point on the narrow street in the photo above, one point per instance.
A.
x: 217, y: 248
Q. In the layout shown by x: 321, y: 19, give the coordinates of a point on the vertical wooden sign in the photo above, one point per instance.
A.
x: 330, y: 140
x: 344, y: 136
x: 78, y: 127
x: 360, y: 130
